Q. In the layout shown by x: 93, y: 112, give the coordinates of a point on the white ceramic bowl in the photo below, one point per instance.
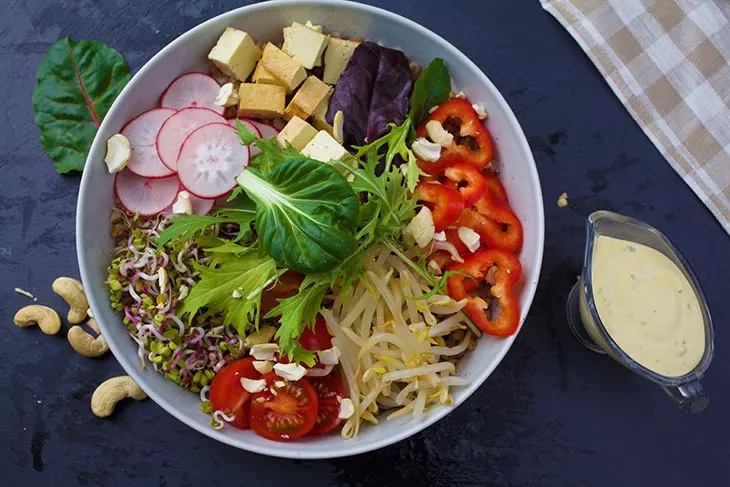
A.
x: 264, y: 21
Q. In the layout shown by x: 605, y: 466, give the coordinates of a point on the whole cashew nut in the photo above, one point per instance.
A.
x: 47, y: 320
x: 111, y: 391
x: 84, y: 343
x: 72, y: 291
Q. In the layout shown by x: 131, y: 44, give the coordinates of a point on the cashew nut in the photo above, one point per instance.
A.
x: 338, y: 125
x: 85, y: 344
x: 47, y: 320
x: 72, y: 291
x: 111, y: 391
x: 118, y: 153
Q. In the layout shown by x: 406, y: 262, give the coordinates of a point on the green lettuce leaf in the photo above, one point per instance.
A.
x: 306, y: 214
x: 77, y: 84
x: 432, y: 89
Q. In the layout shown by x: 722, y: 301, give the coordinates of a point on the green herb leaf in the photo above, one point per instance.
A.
x: 186, y: 226
x: 246, y: 273
x: 431, y: 89
x: 271, y: 154
x: 295, y: 314
x: 306, y: 214
x: 77, y: 83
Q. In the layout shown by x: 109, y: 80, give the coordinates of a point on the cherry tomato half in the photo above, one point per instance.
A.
x: 329, y: 394
x: 286, y: 287
x: 318, y: 338
x: 284, y: 410
x: 228, y: 395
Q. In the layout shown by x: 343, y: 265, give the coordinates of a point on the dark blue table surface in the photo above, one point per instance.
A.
x: 551, y: 414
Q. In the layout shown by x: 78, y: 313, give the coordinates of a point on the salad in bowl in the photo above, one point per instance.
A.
x: 311, y: 235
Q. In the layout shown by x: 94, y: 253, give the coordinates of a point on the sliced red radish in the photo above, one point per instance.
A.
x: 146, y: 196
x: 177, y: 128
x: 142, y: 135
x: 192, y: 90
x: 267, y: 131
x: 210, y: 159
x: 201, y: 206
x: 251, y: 126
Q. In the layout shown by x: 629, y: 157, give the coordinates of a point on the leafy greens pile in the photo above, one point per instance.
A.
x: 308, y: 218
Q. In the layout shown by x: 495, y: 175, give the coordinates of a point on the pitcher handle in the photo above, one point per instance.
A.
x: 690, y: 397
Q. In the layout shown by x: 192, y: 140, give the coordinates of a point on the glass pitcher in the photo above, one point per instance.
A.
x: 586, y: 325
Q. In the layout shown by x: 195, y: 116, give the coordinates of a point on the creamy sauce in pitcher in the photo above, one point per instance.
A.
x: 648, y: 306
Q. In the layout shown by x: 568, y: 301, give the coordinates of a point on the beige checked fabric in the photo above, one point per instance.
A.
x: 667, y: 61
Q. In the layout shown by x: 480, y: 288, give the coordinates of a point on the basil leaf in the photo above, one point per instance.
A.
x: 77, y: 83
x: 432, y: 89
x: 306, y: 213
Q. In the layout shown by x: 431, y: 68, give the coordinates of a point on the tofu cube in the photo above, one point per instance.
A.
x: 304, y: 44
x: 336, y: 56
x: 262, y: 76
x: 297, y: 132
x: 287, y: 70
x: 261, y: 101
x: 307, y: 98
x: 319, y: 114
x: 235, y: 53
x: 323, y: 147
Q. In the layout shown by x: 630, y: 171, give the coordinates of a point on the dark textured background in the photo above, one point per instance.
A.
x: 551, y: 414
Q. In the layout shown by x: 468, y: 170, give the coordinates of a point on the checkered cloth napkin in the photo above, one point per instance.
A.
x: 667, y: 61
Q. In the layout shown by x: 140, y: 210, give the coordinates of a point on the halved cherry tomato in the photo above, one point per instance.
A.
x: 286, y: 287
x: 472, y: 142
x: 329, y: 394
x: 228, y: 395
x: 445, y: 203
x: 285, y: 410
x: 468, y: 180
x: 318, y: 338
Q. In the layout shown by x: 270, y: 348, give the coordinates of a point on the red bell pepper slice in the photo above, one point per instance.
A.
x: 498, y: 229
x: 475, y: 269
x: 472, y: 143
x: 496, y: 190
x: 452, y: 236
x: 468, y: 180
x: 445, y: 203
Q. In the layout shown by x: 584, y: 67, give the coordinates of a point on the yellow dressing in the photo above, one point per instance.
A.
x: 647, y: 306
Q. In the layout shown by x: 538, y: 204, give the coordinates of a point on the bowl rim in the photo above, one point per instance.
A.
x: 132, y: 368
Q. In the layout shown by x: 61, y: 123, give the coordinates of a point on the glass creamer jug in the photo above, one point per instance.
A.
x: 589, y: 312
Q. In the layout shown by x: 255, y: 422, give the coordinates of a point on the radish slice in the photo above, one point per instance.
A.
x: 177, y: 128
x: 146, y: 196
x: 142, y: 135
x: 201, y: 206
x: 192, y: 90
x: 267, y: 131
x: 210, y: 159
x: 251, y: 126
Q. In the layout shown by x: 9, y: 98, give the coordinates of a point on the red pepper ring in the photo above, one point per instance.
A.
x: 508, y: 273
x: 468, y: 180
x: 498, y: 229
x: 496, y: 190
x: 445, y: 203
x: 472, y: 143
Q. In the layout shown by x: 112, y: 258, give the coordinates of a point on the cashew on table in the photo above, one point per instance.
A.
x: 72, y: 291
x: 84, y: 343
x: 111, y: 391
x: 47, y: 320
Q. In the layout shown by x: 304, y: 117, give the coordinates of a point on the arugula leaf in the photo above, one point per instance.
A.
x: 296, y: 313
x: 77, y: 84
x: 306, y: 213
x: 184, y: 227
x: 271, y: 154
x: 247, y: 273
x: 432, y: 89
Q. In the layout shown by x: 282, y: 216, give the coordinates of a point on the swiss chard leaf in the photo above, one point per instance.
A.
x: 306, y: 213
x: 432, y: 89
x: 77, y: 83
